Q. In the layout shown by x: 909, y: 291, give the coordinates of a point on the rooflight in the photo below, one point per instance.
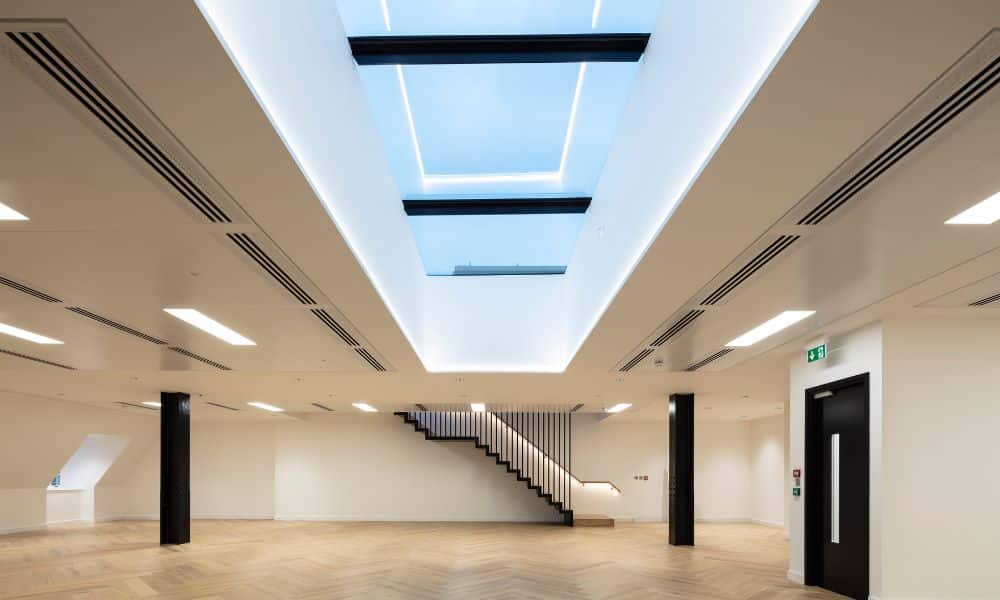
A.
x: 769, y: 328
x: 478, y: 407
x: 429, y: 179
x: 9, y: 214
x: 364, y: 407
x: 267, y: 407
x: 153, y: 404
x: 986, y: 212
x: 617, y: 408
x: 24, y: 334
x: 210, y: 326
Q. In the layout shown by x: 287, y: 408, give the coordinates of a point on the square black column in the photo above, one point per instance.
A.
x: 175, y: 468
x: 681, y: 503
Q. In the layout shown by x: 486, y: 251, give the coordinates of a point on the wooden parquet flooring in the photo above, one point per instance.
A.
x: 281, y: 559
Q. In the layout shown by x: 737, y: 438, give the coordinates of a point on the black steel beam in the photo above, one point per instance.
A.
x: 681, y: 487
x: 496, y: 206
x: 175, y: 468
x: 492, y: 49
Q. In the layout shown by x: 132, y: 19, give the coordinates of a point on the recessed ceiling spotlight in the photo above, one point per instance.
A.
x: 210, y: 326
x: 986, y: 212
x: 24, y: 334
x: 364, y: 407
x: 478, y: 407
x: 9, y: 214
x: 153, y: 404
x: 267, y: 407
x: 617, y: 408
x: 770, y: 327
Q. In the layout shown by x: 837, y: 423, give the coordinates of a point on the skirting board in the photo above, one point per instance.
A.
x: 775, y: 524
x: 397, y: 519
x: 196, y: 517
x: 41, y: 526
x: 796, y: 576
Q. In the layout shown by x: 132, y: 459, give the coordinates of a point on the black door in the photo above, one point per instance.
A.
x: 837, y: 487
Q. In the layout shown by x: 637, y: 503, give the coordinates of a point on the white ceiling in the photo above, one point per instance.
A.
x: 106, y: 234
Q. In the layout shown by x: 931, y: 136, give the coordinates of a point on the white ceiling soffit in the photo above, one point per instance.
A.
x: 233, y: 255
x: 938, y: 151
x: 690, y: 89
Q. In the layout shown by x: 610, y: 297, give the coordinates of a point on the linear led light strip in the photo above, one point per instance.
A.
x: 9, y: 214
x: 431, y: 180
x: 385, y: 14
x: 210, y: 326
x: 986, y: 212
x: 24, y: 334
x: 770, y: 327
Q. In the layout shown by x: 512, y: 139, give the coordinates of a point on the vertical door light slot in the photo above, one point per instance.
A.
x: 835, y: 488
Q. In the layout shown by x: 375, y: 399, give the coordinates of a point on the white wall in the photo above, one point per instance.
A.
x: 22, y: 509
x: 375, y: 467
x: 617, y: 450
x: 69, y: 506
x: 232, y: 475
x: 722, y: 471
x: 767, y: 471
x: 43, y: 434
x: 941, y: 453
x: 850, y: 354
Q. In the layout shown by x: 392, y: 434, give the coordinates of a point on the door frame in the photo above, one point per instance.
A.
x: 817, y: 479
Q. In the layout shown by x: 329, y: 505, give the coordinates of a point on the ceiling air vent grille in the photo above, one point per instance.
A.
x: 27, y: 290
x: 72, y: 79
x: 677, y: 327
x: 332, y: 323
x: 709, y: 359
x: 322, y: 406
x: 190, y: 354
x: 986, y: 300
x: 937, y: 118
x: 217, y: 405
x: 369, y: 359
x: 763, y: 258
x: 118, y: 326
x: 37, y: 360
x: 252, y: 250
x: 636, y: 360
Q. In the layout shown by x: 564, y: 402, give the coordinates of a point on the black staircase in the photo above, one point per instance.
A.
x: 534, y: 446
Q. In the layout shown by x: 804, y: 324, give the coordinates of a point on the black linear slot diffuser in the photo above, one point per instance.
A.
x: 496, y: 206
x: 493, y: 49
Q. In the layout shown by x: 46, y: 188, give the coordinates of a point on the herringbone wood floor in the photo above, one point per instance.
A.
x: 269, y: 559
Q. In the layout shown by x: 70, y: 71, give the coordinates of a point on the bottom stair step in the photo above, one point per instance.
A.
x: 593, y: 521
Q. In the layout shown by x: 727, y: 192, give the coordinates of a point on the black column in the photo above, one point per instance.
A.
x: 175, y: 468
x: 681, y: 508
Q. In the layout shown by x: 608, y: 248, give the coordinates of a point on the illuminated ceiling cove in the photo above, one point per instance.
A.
x: 534, y: 149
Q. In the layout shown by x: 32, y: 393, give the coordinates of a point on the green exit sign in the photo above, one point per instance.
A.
x: 816, y: 353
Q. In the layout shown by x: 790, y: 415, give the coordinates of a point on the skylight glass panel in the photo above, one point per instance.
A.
x: 458, y: 17
x: 497, y: 99
x: 498, y: 129
x: 496, y: 244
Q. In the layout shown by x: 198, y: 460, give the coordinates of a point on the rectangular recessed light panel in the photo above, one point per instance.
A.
x: 769, y: 328
x: 24, y: 334
x: 210, y: 326
x: 9, y: 214
x: 267, y: 407
x: 986, y: 212
x: 364, y: 407
x: 617, y: 408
